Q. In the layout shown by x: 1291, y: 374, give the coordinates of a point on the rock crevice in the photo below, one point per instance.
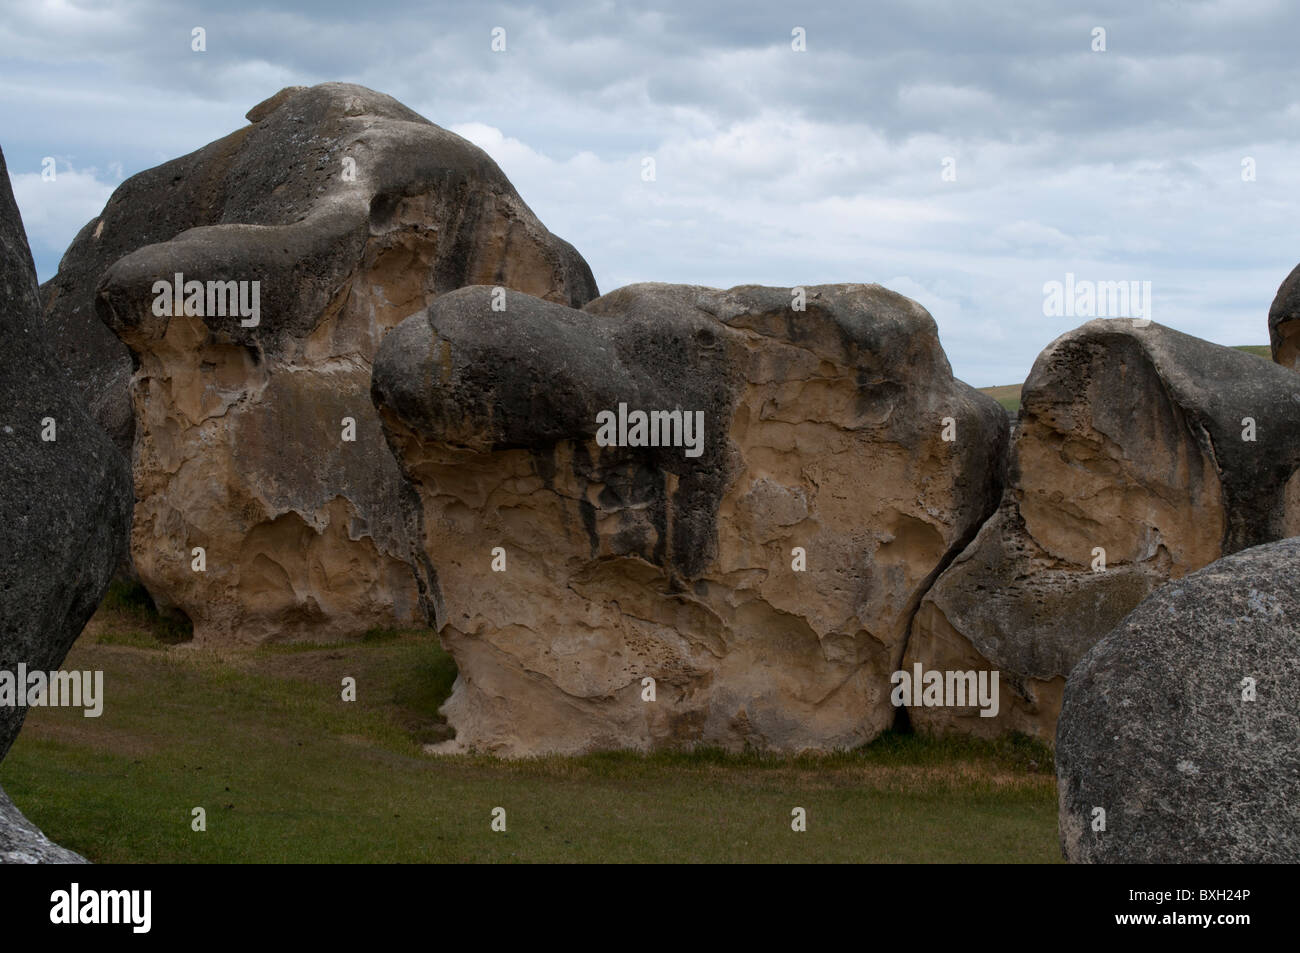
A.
x: 1141, y: 454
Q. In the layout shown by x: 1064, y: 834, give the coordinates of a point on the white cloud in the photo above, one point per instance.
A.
x: 54, y: 211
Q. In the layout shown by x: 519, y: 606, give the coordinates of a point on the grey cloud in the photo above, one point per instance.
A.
x: 1124, y: 162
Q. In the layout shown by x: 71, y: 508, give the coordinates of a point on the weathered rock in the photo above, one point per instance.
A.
x: 67, y: 498
x: 823, y: 429
x: 351, y: 212
x: 1284, y: 322
x: 1160, y: 731
x: 1130, y: 441
x: 65, y: 489
x: 426, y: 184
x: 21, y: 842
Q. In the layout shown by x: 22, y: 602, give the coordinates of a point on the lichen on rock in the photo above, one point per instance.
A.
x: 1180, y: 726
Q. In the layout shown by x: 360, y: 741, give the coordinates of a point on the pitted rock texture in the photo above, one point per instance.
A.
x: 823, y: 431
x: 351, y: 212
x: 66, y: 492
x: 21, y: 841
x: 1182, y: 723
x: 1284, y: 322
x: 1129, y: 441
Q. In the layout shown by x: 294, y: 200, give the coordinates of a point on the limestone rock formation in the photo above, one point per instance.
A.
x: 1284, y: 322
x: 343, y: 212
x: 21, y: 842
x: 1133, y: 452
x: 823, y: 435
x: 66, y: 497
x: 1181, y: 724
x: 436, y: 199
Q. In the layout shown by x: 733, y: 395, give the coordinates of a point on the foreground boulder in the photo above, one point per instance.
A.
x: 66, y: 497
x: 1141, y: 454
x: 762, y: 569
x: 1284, y: 322
x: 272, y: 262
x: 1182, y: 724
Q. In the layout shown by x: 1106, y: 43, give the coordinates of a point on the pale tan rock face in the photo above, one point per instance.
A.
x: 824, y: 431
x: 260, y: 444
x: 1129, y: 449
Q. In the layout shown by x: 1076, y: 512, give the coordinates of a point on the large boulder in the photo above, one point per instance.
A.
x: 823, y: 441
x: 443, y: 213
x: 1183, y: 724
x: 255, y: 438
x: 67, y: 498
x: 1284, y: 322
x: 66, y: 490
x: 1141, y: 454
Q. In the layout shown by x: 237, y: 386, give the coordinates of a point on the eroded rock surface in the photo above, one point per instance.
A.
x: 1284, y: 322
x: 351, y: 212
x: 66, y: 496
x: 422, y: 180
x: 824, y: 431
x: 1182, y: 724
x: 1131, y: 448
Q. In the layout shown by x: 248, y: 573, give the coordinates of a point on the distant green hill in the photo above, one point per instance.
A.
x: 1008, y: 395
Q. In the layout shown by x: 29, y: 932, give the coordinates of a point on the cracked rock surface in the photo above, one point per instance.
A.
x: 1130, y: 448
x: 351, y: 212
x: 823, y: 431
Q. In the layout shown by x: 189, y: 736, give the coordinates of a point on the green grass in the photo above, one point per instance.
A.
x: 1008, y: 395
x: 133, y: 619
x: 288, y: 772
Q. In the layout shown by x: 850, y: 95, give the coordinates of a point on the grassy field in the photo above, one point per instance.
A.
x: 1008, y: 395
x: 288, y: 772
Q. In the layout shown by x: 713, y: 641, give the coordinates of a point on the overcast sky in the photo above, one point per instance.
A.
x: 772, y: 166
